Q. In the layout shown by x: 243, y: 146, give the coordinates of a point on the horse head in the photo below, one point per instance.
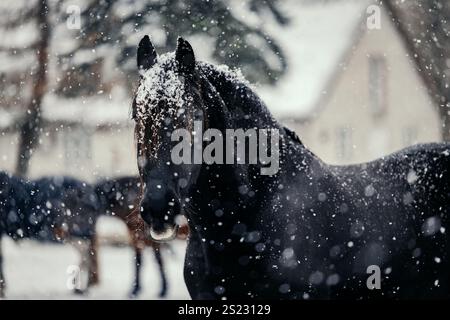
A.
x: 168, y: 98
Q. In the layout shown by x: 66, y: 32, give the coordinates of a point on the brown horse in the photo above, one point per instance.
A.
x: 58, y: 195
x: 119, y: 198
x: 53, y: 208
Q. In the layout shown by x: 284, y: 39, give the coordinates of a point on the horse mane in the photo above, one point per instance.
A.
x: 244, y: 98
x: 235, y: 90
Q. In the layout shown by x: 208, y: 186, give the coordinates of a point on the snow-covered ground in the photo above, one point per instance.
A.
x: 39, y: 271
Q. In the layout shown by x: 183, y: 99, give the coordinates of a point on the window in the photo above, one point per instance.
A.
x: 344, y: 143
x: 377, y: 85
x: 77, y: 143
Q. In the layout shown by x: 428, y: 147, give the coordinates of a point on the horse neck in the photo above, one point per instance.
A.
x: 243, y: 109
x: 231, y: 105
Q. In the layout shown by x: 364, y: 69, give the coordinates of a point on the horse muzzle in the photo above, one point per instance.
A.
x: 167, y: 233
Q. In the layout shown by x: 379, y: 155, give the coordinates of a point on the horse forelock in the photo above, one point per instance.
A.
x: 160, y: 94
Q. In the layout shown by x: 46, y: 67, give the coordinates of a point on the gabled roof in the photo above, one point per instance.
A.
x: 112, y: 109
x: 316, y: 43
x: 105, y: 110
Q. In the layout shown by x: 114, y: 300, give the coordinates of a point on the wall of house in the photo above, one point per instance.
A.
x: 81, y: 151
x: 348, y: 126
x: 8, y: 150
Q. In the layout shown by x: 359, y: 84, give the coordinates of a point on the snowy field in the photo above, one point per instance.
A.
x: 39, y: 271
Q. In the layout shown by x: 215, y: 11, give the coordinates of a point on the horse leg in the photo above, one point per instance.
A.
x: 93, y: 262
x: 136, y: 289
x: 2, y: 277
x: 83, y: 249
x: 159, y: 260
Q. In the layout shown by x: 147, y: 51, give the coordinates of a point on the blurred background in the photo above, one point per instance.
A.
x: 356, y: 79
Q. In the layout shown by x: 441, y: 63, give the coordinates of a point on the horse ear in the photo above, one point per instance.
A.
x: 185, y: 56
x: 146, y: 54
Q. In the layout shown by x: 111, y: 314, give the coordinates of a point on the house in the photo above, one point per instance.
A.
x: 87, y: 131
x: 88, y: 139
x: 353, y: 91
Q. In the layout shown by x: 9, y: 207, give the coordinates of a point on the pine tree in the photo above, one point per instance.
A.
x: 114, y: 25
x: 35, y: 13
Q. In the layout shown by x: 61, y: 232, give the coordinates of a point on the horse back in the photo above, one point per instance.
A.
x: 396, y: 217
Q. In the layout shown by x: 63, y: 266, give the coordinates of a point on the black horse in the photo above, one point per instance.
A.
x: 14, y: 199
x: 119, y: 197
x: 308, y: 231
x: 61, y: 209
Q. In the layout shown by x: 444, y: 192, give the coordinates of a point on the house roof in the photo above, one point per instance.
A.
x: 112, y: 109
x: 316, y: 43
x: 98, y: 111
